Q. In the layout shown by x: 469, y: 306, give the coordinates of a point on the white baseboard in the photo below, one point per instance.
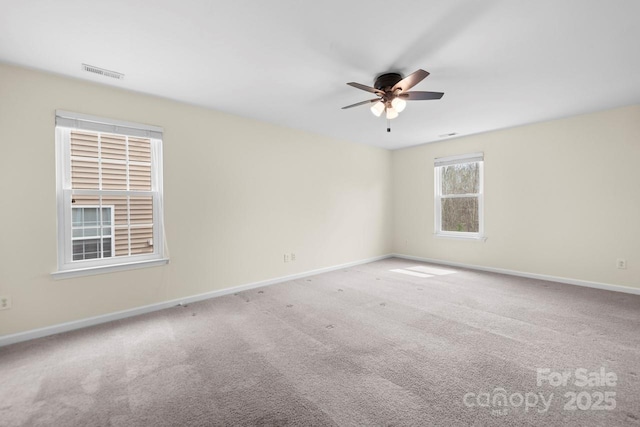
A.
x: 83, y: 323
x: 576, y: 282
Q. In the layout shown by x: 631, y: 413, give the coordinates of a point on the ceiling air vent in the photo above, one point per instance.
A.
x: 102, y: 71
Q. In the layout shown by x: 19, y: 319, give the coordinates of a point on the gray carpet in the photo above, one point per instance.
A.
x: 354, y: 347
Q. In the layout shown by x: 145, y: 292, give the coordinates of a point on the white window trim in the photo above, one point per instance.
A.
x: 67, y: 121
x: 452, y: 160
x: 91, y: 271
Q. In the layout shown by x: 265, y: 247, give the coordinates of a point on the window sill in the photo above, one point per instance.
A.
x: 103, y: 269
x: 461, y: 236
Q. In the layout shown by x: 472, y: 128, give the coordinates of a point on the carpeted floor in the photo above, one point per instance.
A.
x: 355, y: 347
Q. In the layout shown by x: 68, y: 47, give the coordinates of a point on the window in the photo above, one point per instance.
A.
x: 459, y: 196
x: 109, y: 193
x: 91, y: 232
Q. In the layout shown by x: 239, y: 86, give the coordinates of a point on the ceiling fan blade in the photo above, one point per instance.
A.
x: 367, y: 88
x: 370, y: 101
x: 417, y: 95
x: 410, y: 81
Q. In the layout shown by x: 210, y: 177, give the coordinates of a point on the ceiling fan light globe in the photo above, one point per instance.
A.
x: 377, y: 108
x: 391, y: 113
x: 399, y: 104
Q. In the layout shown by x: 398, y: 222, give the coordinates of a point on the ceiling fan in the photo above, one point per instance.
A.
x: 392, y: 91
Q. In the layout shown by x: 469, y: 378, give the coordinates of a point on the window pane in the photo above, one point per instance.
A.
x: 460, y: 214
x: 78, y: 250
x: 80, y: 202
x: 140, y: 240
x: 84, y: 160
x: 139, y: 149
x: 113, y: 146
x: 114, y: 175
x: 86, y: 249
x: 84, y: 144
x: 462, y: 178
x: 106, y: 216
x: 91, y: 249
x: 141, y: 209
x: 84, y: 174
x: 140, y: 171
x: 77, y: 217
x: 90, y: 217
x: 120, y: 206
x: 140, y: 176
x: 122, y: 241
x: 120, y: 219
x: 106, y: 247
x: 91, y: 232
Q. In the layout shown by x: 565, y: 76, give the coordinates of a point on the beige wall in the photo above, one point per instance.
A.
x: 562, y: 198
x: 238, y: 195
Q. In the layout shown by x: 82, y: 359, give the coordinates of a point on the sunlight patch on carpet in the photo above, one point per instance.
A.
x: 411, y: 273
x: 431, y: 270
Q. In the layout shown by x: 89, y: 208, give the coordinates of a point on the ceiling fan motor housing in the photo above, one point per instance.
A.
x: 387, y: 81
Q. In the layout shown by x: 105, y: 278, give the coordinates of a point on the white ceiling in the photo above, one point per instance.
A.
x: 500, y: 63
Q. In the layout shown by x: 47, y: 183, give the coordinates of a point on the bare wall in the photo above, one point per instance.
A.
x: 238, y: 195
x: 562, y: 198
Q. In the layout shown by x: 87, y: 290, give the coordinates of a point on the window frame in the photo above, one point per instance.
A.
x: 66, y: 122
x: 441, y: 162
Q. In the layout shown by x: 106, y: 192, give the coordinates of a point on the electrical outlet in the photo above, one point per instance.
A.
x: 621, y: 263
x: 293, y: 257
x: 287, y: 257
x: 5, y: 302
